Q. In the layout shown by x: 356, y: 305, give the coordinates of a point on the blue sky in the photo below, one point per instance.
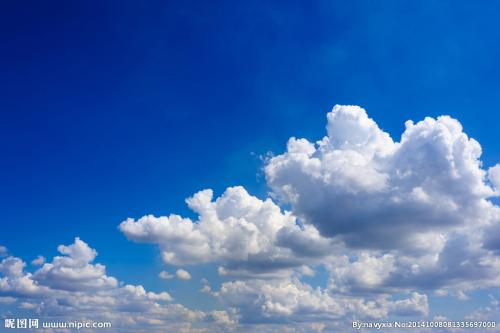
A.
x: 117, y: 109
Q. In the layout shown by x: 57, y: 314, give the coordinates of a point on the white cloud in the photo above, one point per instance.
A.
x: 182, y: 274
x: 165, y: 275
x: 246, y: 235
x: 364, y: 274
x: 278, y: 301
x: 411, y: 213
x: 74, y: 271
x: 358, y: 185
x: 494, y: 177
x: 71, y: 287
x: 3, y: 251
x: 15, y: 283
x: 292, y: 301
x: 27, y: 306
x: 382, y: 217
x: 417, y: 304
x: 39, y: 260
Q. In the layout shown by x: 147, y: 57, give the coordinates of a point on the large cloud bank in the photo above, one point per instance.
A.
x: 359, y: 185
x: 382, y: 216
x: 390, y: 221
x: 417, y: 210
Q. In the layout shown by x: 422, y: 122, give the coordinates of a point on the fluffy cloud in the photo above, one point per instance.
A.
x: 74, y: 271
x: 14, y: 282
x: 412, y: 213
x: 409, y: 214
x: 183, y: 274
x: 461, y: 265
x: 359, y: 185
x: 165, y: 275
x: 39, y: 260
x: 70, y: 287
x: 382, y: 216
x: 278, y: 301
x: 246, y: 235
x: 289, y: 301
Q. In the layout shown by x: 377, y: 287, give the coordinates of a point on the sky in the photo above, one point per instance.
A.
x: 276, y: 134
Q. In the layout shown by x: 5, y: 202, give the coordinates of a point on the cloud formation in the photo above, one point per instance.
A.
x: 388, y: 221
x: 165, y: 275
x: 74, y: 271
x: 413, y: 212
x: 292, y: 301
x: 71, y: 286
x: 359, y: 185
x: 383, y: 216
x: 39, y: 260
x: 182, y: 274
x: 244, y: 234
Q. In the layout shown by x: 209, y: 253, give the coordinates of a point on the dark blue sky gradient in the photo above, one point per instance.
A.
x: 116, y: 109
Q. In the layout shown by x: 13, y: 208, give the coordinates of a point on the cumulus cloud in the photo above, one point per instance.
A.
x: 182, y: 274
x: 292, y: 301
x: 74, y: 271
x: 165, y: 275
x: 417, y: 304
x: 248, y: 236
x: 14, y: 282
x: 359, y: 185
x: 383, y: 216
x: 71, y: 286
x: 278, y: 301
x: 39, y: 260
x: 412, y: 213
